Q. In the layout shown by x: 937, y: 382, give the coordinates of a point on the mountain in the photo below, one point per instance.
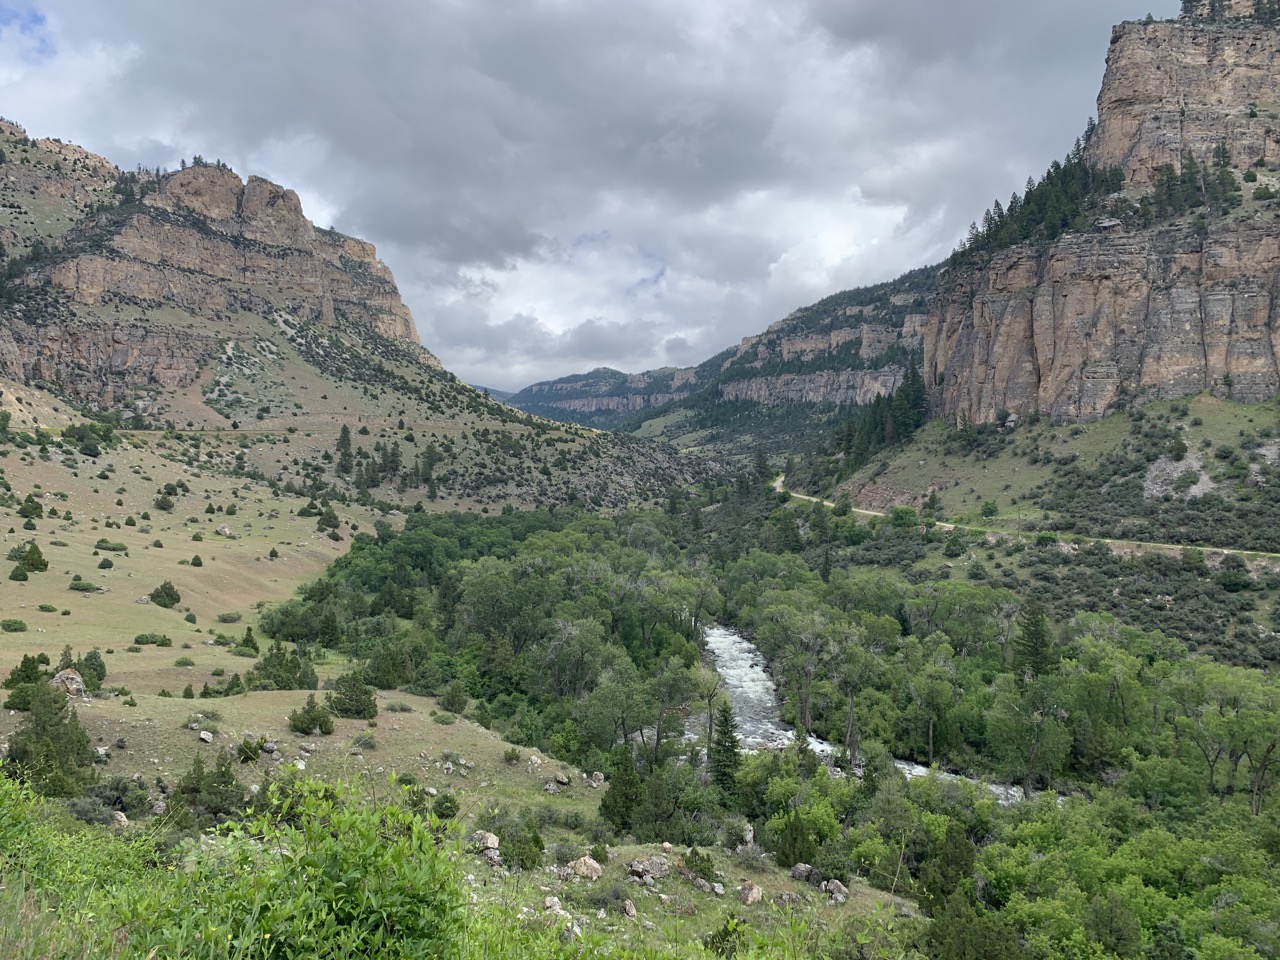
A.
x: 198, y: 301
x: 1170, y: 292
x: 780, y: 387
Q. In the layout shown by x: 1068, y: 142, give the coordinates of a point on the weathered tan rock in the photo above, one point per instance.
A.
x: 1187, y: 85
x: 750, y: 893
x: 69, y: 682
x: 827, y: 386
x: 586, y: 868
x: 1100, y: 320
x: 207, y: 245
x: 1108, y: 318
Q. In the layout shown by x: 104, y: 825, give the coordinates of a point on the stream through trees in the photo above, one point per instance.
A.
x: 754, y: 696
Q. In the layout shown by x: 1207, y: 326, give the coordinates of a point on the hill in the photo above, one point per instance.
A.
x: 196, y: 301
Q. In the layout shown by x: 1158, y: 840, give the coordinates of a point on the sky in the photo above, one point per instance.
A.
x: 565, y: 184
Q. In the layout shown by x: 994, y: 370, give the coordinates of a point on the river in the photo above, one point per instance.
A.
x: 754, y: 696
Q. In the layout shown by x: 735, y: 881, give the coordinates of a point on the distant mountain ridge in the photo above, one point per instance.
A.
x: 844, y: 350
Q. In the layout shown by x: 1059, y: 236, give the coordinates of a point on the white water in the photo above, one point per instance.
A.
x: 754, y: 696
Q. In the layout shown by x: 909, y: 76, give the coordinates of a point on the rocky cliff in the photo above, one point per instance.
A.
x: 1117, y: 315
x: 140, y: 295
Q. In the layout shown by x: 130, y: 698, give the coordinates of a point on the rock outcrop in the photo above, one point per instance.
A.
x: 1187, y: 85
x: 142, y: 296
x: 1112, y: 317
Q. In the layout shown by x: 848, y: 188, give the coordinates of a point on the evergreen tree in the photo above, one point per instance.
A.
x: 343, y: 447
x: 50, y: 749
x: 723, y: 754
x: 351, y: 698
x: 624, y: 792
x: 1033, y: 650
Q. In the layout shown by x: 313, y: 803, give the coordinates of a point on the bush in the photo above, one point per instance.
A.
x: 166, y: 595
x: 248, y: 652
x: 364, y: 741
x: 352, y: 698
x: 47, y: 608
x: 445, y: 806
x: 105, y: 563
x: 229, y: 617
x: 398, y: 706
x: 13, y: 626
x: 311, y: 718
x: 511, y: 756
x: 454, y: 699
x: 184, y: 662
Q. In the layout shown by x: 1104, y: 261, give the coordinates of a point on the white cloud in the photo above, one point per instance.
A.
x: 565, y: 183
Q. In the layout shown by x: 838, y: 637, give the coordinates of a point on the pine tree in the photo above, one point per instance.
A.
x: 1033, y: 650
x: 351, y: 698
x: 624, y: 791
x: 723, y: 754
x: 50, y: 749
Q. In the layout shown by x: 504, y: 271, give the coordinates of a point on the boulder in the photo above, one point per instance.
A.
x: 562, y: 779
x: 118, y: 819
x: 801, y: 872
x: 597, y: 780
x: 629, y: 909
x: 484, y: 840
x: 69, y: 682
x: 206, y: 736
x: 750, y: 893
x: 654, y: 868
x: 586, y: 868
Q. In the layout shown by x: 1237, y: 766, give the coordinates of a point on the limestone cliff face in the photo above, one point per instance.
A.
x: 206, y: 236
x: 1189, y: 85
x: 141, y: 296
x: 827, y: 386
x: 1111, y: 317
x: 1103, y: 319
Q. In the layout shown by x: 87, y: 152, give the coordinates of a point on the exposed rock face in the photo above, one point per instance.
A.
x: 1108, y: 318
x: 828, y: 386
x: 206, y: 246
x: 1101, y: 319
x: 1171, y: 87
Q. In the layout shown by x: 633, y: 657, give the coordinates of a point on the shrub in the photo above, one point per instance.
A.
x: 398, y: 706
x: 311, y: 718
x: 13, y: 626
x: 365, y: 741
x: 445, y: 806
x: 454, y: 699
x: 229, y: 617
x: 189, y: 618
x: 81, y: 586
x: 248, y: 652
x: 250, y: 749
x: 166, y: 595
x: 351, y: 698
x: 106, y: 563
x: 184, y: 662
x: 511, y: 756
x: 47, y: 608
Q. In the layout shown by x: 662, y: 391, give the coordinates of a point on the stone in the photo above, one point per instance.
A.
x: 551, y: 787
x: 750, y: 893
x: 629, y: 909
x: 118, y: 819
x: 69, y: 682
x: 562, y: 780
x: 718, y: 889
x: 801, y: 871
x: 597, y: 780
x: 586, y: 868
x: 653, y: 867
x: 206, y: 736
x: 836, y: 888
x: 483, y: 840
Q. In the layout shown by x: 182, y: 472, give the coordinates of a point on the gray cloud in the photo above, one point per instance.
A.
x: 566, y: 184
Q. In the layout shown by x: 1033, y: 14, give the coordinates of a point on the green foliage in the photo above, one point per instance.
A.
x: 1069, y: 195
x: 13, y: 625
x: 723, y: 758
x: 282, y: 669
x: 623, y: 794
x: 166, y: 595
x: 50, y: 749
x: 352, y: 698
x: 311, y: 718
x: 445, y: 806
x: 454, y: 699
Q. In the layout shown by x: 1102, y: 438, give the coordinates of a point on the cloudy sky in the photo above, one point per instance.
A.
x: 564, y: 184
